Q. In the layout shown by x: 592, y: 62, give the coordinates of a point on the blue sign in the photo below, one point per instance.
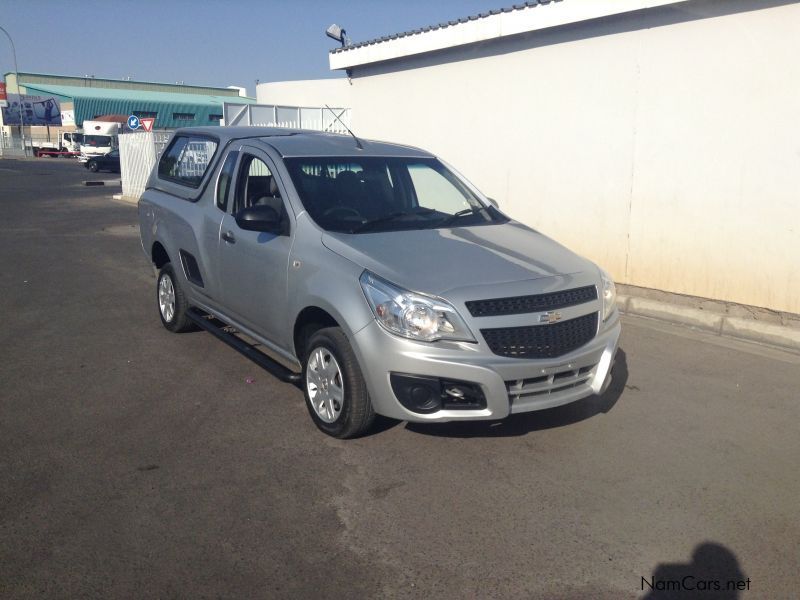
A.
x: 133, y: 122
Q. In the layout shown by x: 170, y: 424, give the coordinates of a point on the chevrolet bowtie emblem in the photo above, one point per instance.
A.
x: 550, y: 317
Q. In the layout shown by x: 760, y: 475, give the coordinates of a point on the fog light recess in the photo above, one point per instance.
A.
x: 425, y: 395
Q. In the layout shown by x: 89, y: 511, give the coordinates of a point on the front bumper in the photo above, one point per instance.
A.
x: 510, y: 385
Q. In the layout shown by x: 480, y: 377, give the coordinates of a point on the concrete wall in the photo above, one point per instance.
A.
x: 664, y: 144
x: 317, y: 92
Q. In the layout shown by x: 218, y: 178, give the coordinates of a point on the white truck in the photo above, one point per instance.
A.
x: 64, y: 143
x: 99, y: 138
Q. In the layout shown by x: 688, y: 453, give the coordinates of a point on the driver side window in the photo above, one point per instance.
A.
x: 256, y: 186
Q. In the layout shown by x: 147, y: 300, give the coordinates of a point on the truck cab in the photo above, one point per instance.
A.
x: 99, y: 137
x: 71, y: 141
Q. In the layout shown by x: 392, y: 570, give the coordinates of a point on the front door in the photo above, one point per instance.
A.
x: 254, y: 265
x: 209, y: 238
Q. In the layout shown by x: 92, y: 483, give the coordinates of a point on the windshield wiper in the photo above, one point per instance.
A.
x: 462, y: 213
x: 388, y: 218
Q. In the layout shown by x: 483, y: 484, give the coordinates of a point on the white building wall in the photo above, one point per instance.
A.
x: 316, y: 92
x: 664, y: 148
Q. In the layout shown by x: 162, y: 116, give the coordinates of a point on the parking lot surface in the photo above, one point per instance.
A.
x: 139, y: 463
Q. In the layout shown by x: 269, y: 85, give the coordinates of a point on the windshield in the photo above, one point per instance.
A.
x: 369, y: 194
x: 97, y: 140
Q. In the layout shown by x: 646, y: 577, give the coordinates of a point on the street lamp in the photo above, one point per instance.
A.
x: 19, y: 93
x: 337, y: 33
x: 340, y: 35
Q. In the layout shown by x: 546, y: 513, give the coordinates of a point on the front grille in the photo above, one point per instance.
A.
x: 542, y: 341
x: 522, y: 389
x: 517, y: 305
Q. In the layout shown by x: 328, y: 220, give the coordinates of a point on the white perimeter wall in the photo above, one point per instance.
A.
x: 315, y: 92
x: 667, y: 150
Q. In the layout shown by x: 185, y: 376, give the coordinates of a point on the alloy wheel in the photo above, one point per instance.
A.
x: 166, y: 298
x: 325, y: 384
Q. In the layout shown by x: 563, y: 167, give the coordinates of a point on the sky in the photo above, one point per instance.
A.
x: 204, y: 42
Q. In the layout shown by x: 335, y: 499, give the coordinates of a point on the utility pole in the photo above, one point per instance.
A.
x: 19, y: 93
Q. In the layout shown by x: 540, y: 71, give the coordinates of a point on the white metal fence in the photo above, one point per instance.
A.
x: 333, y: 120
x: 138, y: 153
x: 160, y: 139
x: 10, y: 146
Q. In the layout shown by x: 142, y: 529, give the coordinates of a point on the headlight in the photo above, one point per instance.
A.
x: 609, y: 292
x: 413, y: 315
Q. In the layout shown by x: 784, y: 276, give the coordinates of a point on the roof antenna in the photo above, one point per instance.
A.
x: 335, y: 116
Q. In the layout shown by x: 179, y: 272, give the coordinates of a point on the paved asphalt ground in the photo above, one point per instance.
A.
x: 136, y: 463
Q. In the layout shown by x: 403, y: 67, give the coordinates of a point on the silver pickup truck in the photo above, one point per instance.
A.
x: 373, y: 275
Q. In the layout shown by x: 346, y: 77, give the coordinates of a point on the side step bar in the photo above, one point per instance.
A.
x: 209, y: 324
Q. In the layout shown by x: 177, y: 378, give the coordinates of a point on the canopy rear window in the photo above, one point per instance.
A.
x: 186, y: 159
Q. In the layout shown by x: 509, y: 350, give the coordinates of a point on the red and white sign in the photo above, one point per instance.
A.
x: 147, y: 124
x: 3, y: 97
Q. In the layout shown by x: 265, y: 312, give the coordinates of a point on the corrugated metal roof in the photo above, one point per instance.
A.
x: 443, y: 25
x: 520, y: 19
x: 123, y: 84
x: 91, y: 102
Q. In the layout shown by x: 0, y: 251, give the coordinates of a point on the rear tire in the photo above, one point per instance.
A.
x: 93, y: 166
x: 334, y: 388
x: 171, y: 302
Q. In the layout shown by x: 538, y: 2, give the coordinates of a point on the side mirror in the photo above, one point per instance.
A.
x: 259, y: 218
x: 494, y: 202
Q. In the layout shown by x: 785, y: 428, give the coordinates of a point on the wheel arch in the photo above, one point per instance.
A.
x: 158, y: 254
x: 310, y: 320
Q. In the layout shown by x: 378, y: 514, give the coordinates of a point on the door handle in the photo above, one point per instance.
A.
x: 228, y: 237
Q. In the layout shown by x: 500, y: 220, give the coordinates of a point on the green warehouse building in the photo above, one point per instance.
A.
x: 87, y: 98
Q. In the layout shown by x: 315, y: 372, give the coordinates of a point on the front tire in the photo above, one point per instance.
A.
x: 172, y: 305
x: 93, y: 167
x: 334, y: 388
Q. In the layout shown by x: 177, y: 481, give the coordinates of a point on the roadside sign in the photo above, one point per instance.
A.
x: 133, y: 122
x: 147, y: 124
x: 32, y: 110
x: 3, y: 98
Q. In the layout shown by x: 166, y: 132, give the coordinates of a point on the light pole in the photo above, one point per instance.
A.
x: 19, y: 93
